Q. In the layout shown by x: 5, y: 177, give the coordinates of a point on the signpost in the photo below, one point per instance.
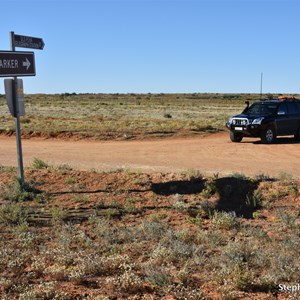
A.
x: 12, y: 64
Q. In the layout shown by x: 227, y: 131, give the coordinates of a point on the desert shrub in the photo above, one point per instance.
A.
x: 225, y: 220
x: 112, y: 263
x: 197, y: 220
x: 185, y: 292
x: 39, y: 164
x: 240, y: 176
x: 7, y: 168
x: 158, y: 276
x: 13, y: 259
x: 193, y: 174
x: 237, y: 252
x: 71, y: 180
x: 284, y: 263
x: 63, y: 168
x: 13, y: 214
x: 153, y: 230
x: 238, y: 276
x: 45, y: 290
x: 39, y: 263
x: 130, y: 206
x: 58, y: 215
x: 98, y: 297
x: 168, y: 116
x: 16, y: 191
x: 254, y: 200
x: 261, y: 177
x: 128, y: 281
x: 160, y: 254
x: 101, y: 226
x: 210, y: 188
x: 285, y: 177
x: 289, y: 220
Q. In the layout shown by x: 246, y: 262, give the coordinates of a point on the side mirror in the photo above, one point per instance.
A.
x: 247, y: 103
x: 281, y: 112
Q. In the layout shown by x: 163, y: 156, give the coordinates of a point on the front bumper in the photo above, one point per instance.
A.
x: 253, y: 130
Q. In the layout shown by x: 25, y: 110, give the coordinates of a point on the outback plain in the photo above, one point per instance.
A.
x: 78, y: 230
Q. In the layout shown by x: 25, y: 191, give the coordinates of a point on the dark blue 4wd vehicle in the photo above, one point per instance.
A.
x: 267, y: 120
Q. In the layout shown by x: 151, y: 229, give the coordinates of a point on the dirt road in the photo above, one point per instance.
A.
x: 212, y: 154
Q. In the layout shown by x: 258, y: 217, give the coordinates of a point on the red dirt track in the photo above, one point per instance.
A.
x: 212, y: 154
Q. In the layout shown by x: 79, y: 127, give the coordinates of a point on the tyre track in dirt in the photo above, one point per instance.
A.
x: 212, y: 154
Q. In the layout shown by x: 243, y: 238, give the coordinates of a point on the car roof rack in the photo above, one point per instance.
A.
x: 286, y: 97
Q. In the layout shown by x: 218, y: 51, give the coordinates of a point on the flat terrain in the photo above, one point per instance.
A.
x: 211, y: 154
x: 144, y: 197
x: 123, y: 116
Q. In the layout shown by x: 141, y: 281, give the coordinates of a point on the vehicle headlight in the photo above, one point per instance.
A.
x: 231, y: 121
x: 258, y: 121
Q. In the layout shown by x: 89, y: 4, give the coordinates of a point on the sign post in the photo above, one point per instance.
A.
x: 17, y: 118
x: 13, y: 64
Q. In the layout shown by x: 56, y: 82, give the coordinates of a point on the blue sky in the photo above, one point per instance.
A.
x: 158, y: 46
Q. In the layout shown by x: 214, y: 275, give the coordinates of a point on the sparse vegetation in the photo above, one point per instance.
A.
x: 123, y: 116
x: 39, y: 164
x: 225, y: 220
x: 12, y: 214
x: 16, y: 191
x: 108, y: 239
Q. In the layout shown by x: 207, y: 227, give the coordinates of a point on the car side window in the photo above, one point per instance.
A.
x: 282, y: 109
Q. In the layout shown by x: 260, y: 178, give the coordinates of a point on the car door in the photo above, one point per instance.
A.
x: 282, y: 119
x: 293, y: 115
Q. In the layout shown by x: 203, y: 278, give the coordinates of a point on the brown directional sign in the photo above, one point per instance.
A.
x: 28, y: 42
x: 16, y: 63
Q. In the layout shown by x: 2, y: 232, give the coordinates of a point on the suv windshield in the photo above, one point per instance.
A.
x: 261, y: 108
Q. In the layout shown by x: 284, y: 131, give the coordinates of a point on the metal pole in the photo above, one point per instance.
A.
x: 17, y: 119
x: 261, y: 83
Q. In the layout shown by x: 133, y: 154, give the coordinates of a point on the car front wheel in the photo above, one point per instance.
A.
x: 268, y: 135
x: 297, y: 135
x: 236, y: 137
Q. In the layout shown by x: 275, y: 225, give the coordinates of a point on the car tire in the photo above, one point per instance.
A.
x: 236, y: 137
x: 297, y: 135
x: 268, y: 135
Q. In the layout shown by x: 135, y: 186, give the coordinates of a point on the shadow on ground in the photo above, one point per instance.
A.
x: 234, y: 194
x: 280, y: 141
x: 184, y: 187
x: 238, y: 195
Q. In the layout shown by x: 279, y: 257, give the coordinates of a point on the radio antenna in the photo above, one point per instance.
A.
x: 261, y: 83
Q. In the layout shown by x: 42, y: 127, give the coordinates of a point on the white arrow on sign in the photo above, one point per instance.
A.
x: 26, y: 63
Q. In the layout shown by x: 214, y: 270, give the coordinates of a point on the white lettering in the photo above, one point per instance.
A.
x: 9, y: 64
x: 289, y: 288
x: 26, y: 39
